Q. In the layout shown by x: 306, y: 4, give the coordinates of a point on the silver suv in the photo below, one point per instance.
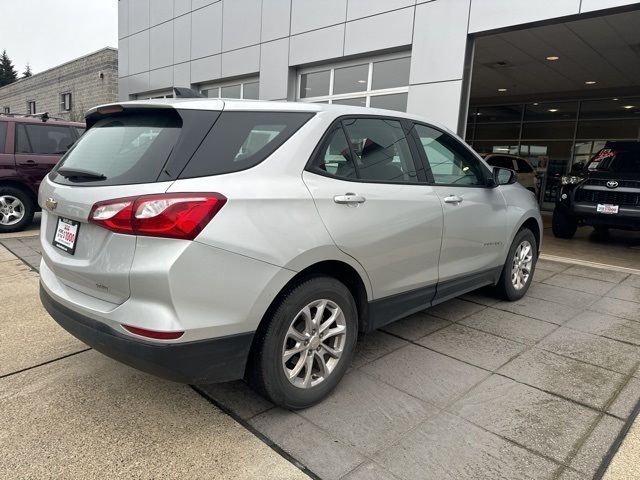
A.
x: 209, y: 240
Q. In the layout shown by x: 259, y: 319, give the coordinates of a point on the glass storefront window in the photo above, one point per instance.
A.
x: 350, y: 79
x: 620, y: 129
x: 501, y: 113
x: 232, y: 91
x: 315, y: 84
x: 496, y: 147
x: 395, y: 101
x: 391, y: 73
x: 551, y: 157
x: 247, y: 89
x: 551, y: 111
x: 250, y: 91
x: 553, y: 136
x: 356, y: 102
x: 611, y: 108
x: 497, y: 131
x: 561, y: 129
x: 383, y: 82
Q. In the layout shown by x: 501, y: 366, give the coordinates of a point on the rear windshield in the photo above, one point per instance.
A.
x: 615, y: 160
x: 124, y: 149
x: 241, y: 140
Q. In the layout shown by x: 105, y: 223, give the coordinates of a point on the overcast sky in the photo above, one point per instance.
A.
x: 46, y: 33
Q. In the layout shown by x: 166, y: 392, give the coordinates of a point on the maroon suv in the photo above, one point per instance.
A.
x: 30, y: 146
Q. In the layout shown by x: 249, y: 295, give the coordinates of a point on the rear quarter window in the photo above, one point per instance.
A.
x: 241, y: 140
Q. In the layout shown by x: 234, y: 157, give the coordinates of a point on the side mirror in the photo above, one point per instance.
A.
x: 504, y: 176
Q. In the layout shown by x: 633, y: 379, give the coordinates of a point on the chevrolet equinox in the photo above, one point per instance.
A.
x: 205, y: 240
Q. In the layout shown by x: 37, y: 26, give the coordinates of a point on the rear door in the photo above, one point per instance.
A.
x: 122, y: 155
x: 38, y: 148
x: 378, y: 207
x: 474, y: 215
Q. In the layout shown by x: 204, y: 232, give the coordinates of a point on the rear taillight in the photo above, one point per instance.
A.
x: 169, y: 215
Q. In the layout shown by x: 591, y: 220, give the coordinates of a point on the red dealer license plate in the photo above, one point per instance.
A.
x: 66, y: 235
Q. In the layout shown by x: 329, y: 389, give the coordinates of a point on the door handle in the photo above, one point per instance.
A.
x: 28, y: 162
x: 453, y: 199
x: 349, y: 198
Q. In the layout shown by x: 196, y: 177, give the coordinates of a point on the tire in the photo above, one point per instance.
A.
x: 16, y: 209
x: 507, y: 287
x: 266, y: 370
x: 563, y: 225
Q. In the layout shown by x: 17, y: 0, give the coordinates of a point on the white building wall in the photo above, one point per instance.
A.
x: 165, y: 43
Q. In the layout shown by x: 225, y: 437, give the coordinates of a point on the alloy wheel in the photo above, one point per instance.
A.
x: 12, y: 210
x: 522, y: 264
x: 314, y: 343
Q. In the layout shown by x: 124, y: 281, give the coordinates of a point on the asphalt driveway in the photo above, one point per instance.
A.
x: 473, y: 388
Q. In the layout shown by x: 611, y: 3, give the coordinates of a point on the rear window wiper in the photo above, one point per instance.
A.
x: 78, y: 173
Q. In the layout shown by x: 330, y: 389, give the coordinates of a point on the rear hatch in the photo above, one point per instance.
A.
x: 126, y: 152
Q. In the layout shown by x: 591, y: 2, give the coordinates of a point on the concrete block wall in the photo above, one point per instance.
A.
x: 165, y: 43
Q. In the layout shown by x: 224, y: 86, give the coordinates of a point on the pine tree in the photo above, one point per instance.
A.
x: 8, y: 73
x: 27, y: 71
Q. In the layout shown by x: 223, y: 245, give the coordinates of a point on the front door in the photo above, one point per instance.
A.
x: 377, y: 206
x: 474, y: 214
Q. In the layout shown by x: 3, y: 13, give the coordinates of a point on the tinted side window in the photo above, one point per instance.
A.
x: 335, y: 157
x: 3, y: 135
x: 523, y: 166
x: 43, y: 139
x: 241, y: 140
x: 450, y: 163
x: 382, y: 151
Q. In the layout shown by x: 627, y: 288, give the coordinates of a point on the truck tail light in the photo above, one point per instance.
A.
x: 168, y: 215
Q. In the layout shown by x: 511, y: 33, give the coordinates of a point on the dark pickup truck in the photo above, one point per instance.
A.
x: 604, y: 194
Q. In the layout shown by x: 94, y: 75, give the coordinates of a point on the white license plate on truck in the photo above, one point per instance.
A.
x: 607, y: 208
x: 66, y: 235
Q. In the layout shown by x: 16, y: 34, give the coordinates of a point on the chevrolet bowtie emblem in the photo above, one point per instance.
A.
x: 51, y: 204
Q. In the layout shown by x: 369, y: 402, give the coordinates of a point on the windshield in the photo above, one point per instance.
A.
x: 123, y: 149
x: 614, y: 160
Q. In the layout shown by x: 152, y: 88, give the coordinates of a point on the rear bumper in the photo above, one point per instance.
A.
x: 204, y: 361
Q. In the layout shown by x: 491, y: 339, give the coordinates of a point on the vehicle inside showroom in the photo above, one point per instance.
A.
x: 556, y: 93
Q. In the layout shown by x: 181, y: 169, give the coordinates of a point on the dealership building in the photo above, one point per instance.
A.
x: 549, y: 80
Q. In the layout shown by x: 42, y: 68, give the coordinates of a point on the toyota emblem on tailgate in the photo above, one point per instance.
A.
x: 612, y: 184
x: 51, y: 203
